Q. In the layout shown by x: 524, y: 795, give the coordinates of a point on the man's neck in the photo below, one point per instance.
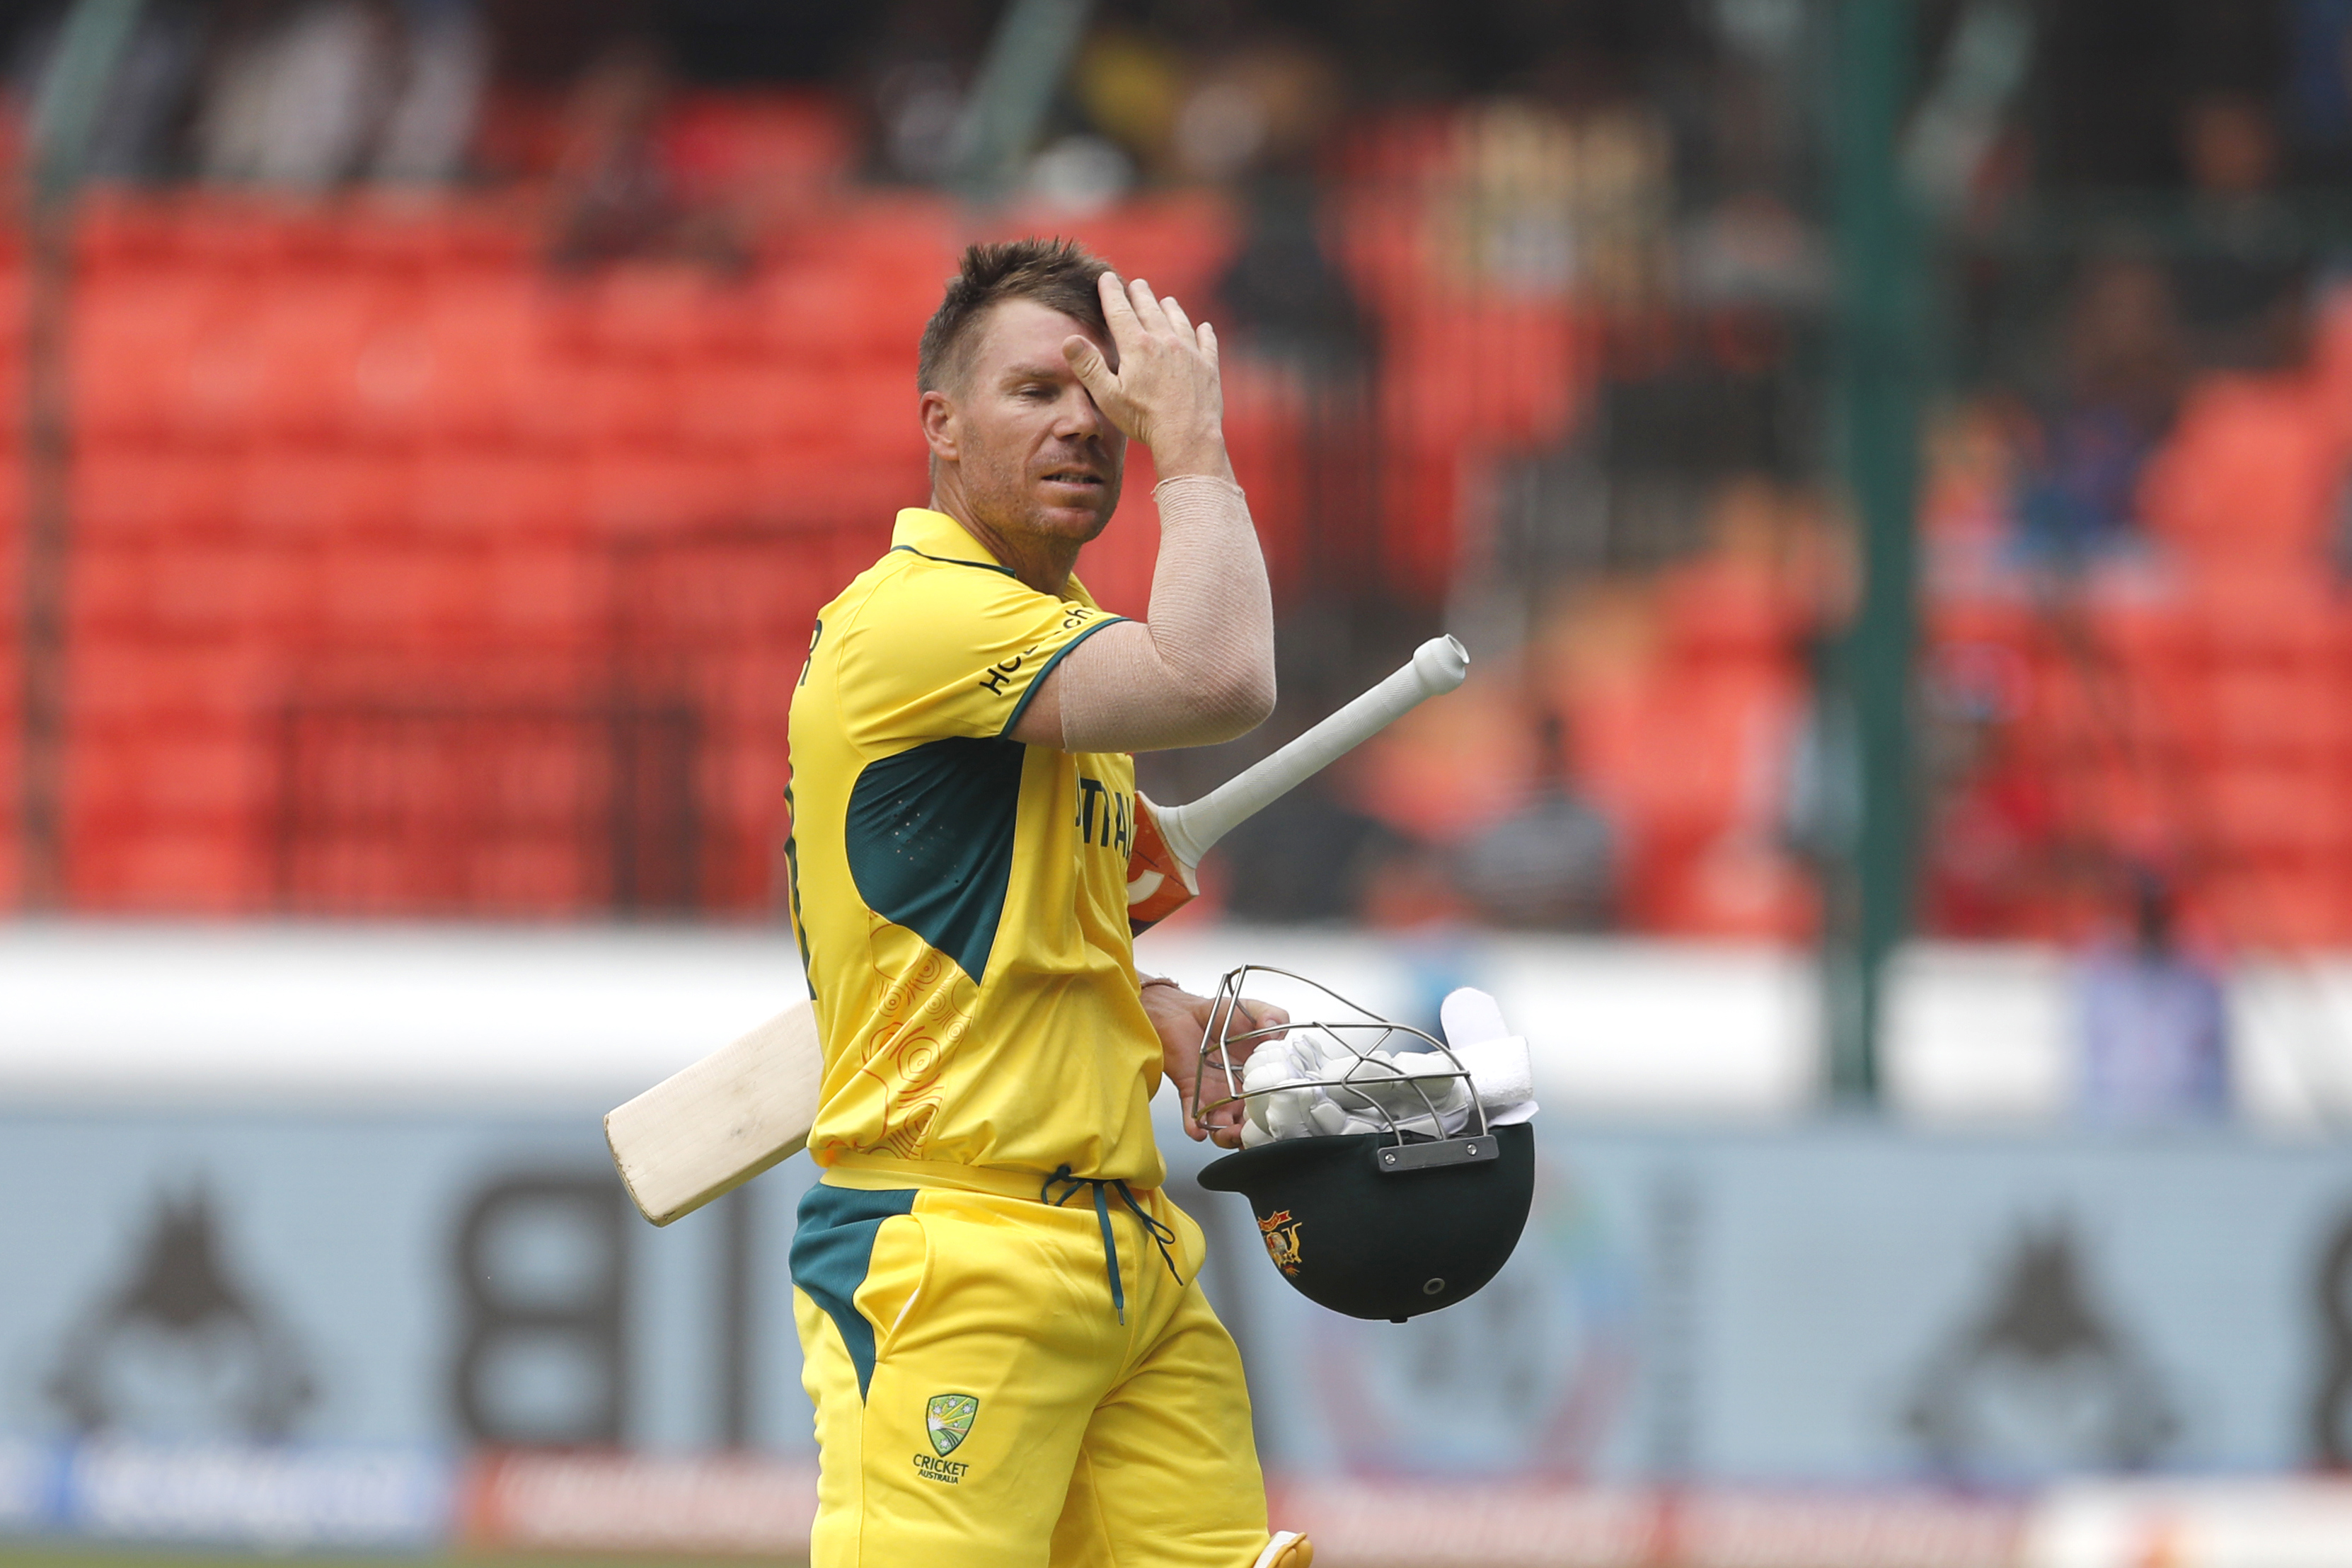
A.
x: 1044, y: 565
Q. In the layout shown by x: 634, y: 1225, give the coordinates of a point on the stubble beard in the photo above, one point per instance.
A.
x: 1007, y: 504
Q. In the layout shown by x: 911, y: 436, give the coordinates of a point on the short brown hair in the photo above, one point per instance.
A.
x: 1059, y: 274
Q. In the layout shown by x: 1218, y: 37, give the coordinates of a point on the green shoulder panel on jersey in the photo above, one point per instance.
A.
x: 1061, y: 653
x: 929, y: 841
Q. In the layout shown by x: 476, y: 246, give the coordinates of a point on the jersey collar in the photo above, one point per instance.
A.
x: 940, y: 537
x: 935, y: 536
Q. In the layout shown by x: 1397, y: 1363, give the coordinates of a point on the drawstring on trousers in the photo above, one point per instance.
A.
x: 1159, y: 1232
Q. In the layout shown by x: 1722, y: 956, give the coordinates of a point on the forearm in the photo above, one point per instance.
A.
x: 1201, y: 669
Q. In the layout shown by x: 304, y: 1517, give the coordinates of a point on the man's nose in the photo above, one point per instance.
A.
x: 1077, y: 417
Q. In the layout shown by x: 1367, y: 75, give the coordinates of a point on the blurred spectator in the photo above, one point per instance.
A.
x: 138, y: 135
x: 1989, y: 847
x: 312, y: 94
x: 922, y: 56
x: 1265, y: 106
x: 2154, y: 1027
x: 1308, y: 857
x: 1080, y: 175
x: 617, y: 192
x: 296, y: 92
x: 1751, y: 250
x: 447, y: 65
x: 612, y: 195
x: 1974, y: 452
x: 2242, y: 287
x: 1407, y: 886
x: 2077, y: 496
x: 1552, y: 865
x: 1131, y: 85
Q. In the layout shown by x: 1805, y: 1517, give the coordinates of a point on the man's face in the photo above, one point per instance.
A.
x: 1033, y: 454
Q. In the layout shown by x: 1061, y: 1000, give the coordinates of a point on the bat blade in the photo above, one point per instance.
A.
x: 709, y: 1128
x: 1437, y: 667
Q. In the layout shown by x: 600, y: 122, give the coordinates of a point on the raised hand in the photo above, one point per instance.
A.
x: 1165, y: 392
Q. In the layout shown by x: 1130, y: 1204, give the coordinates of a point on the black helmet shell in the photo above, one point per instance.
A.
x: 1383, y: 1242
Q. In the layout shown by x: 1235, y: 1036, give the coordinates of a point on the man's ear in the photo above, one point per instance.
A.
x: 941, y: 430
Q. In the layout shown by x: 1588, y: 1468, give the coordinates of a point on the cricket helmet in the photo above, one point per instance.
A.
x: 1413, y: 1215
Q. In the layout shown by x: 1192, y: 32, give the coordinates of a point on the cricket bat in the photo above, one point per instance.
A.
x: 708, y: 1129
x: 1172, y: 840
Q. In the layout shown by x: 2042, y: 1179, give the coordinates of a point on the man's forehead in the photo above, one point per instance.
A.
x: 1024, y: 332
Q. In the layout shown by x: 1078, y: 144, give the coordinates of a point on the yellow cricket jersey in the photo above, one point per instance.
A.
x: 960, y: 898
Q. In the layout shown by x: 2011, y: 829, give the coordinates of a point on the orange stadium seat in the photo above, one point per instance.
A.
x: 305, y: 493
x: 2288, y: 616
x: 107, y: 589
x: 383, y: 384
x: 2249, y: 472
x: 652, y: 487
x: 482, y: 344
x: 133, y: 340
x: 1721, y: 609
x: 543, y: 593
x: 501, y: 491
x: 116, y: 230
x: 625, y: 402
x: 1679, y: 760
x: 2278, y: 907
x: 121, y: 682
x: 2262, y: 811
x: 132, y: 867
x: 646, y: 312
x: 723, y: 404
x: 218, y: 589
x: 2298, y: 713
x: 179, y: 773
x: 780, y: 146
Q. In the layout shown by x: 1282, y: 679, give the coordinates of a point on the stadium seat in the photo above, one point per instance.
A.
x: 498, y: 491
x: 294, y: 493
x: 653, y: 487
x: 133, y: 340
x: 2257, y: 812
x: 761, y: 148
x: 623, y: 402
x: 1718, y: 608
x: 136, y: 866
x: 723, y: 404
x: 2249, y: 472
x: 2296, y: 713
x: 144, y: 684
x: 1742, y: 885
x: 483, y: 343
x: 544, y: 594
x: 2278, y: 907
x: 2284, y: 617
x: 1682, y: 759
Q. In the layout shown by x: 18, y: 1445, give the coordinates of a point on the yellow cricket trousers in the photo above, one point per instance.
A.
x: 979, y: 1402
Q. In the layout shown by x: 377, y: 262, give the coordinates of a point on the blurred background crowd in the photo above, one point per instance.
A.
x: 465, y: 404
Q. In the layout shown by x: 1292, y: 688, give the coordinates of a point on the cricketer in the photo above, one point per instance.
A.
x: 1010, y: 1355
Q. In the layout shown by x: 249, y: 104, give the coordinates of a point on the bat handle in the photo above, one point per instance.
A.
x: 1437, y: 667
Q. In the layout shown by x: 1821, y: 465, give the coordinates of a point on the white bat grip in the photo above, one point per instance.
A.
x: 1438, y: 665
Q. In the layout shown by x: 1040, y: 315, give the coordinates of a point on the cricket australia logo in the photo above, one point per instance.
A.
x: 948, y: 1418
x: 1281, y: 1233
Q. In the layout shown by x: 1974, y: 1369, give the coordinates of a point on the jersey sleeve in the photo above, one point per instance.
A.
x: 953, y: 650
